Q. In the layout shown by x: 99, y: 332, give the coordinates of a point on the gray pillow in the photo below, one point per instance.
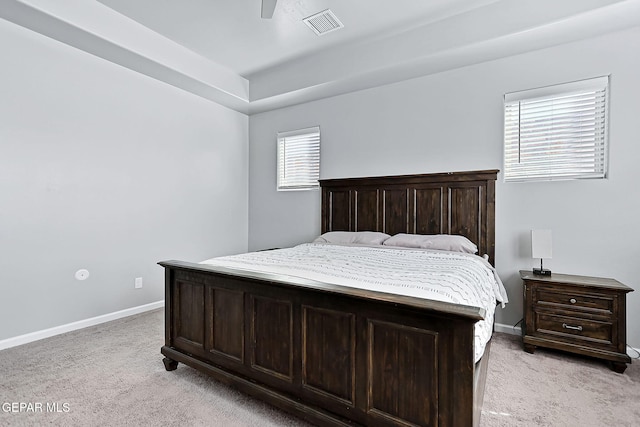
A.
x: 357, y: 237
x: 443, y: 242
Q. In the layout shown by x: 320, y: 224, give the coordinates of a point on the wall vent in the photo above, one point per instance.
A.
x: 323, y: 22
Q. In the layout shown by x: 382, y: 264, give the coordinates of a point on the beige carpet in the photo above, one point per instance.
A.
x: 112, y: 375
x: 552, y: 388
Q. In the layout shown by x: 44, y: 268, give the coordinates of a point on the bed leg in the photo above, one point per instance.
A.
x: 618, y: 367
x: 169, y: 364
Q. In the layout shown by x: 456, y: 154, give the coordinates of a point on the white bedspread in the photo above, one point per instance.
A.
x: 436, y: 275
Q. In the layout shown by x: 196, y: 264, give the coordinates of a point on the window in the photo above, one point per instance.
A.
x: 299, y: 159
x: 557, y: 132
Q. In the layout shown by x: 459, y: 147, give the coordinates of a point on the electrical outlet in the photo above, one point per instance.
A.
x: 138, y: 283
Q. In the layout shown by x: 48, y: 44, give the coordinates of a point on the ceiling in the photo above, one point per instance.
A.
x: 223, y: 51
x: 232, y: 33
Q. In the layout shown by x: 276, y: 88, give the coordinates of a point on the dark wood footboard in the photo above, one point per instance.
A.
x: 328, y: 354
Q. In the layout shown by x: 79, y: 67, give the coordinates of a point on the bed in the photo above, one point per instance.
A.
x: 339, y: 355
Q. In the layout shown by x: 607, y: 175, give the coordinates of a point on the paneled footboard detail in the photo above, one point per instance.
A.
x: 225, y: 323
x: 328, y: 354
x: 403, y: 373
x: 188, y: 321
x: 271, y: 335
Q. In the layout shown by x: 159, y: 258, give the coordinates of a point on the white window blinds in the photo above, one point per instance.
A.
x: 299, y: 159
x: 557, y: 132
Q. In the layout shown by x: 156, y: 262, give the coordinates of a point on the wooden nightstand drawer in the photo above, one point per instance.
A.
x: 602, y: 304
x: 580, y: 314
x: 575, y: 328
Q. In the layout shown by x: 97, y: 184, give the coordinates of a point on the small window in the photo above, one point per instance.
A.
x: 557, y: 132
x: 299, y: 159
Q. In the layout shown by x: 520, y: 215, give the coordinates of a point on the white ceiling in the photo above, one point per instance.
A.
x: 223, y: 51
x: 231, y: 32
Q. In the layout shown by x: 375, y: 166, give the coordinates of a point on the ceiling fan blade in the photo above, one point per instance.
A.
x: 268, y: 6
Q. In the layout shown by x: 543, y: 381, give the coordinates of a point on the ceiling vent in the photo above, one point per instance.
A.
x: 323, y: 22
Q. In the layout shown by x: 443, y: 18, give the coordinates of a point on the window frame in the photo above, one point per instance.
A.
x: 598, y: 89
x: 281, y: 142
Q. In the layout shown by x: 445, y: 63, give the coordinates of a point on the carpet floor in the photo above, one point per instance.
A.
x: 112, y: 375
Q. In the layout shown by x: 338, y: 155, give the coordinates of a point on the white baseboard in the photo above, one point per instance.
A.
x: 633, y: 353
x: 507, y: 329
x: 46, y: 333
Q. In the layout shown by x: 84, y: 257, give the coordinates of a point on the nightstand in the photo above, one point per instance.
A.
x: 580, y: 314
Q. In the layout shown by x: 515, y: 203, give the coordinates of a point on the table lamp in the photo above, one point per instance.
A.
x: 541, y: 248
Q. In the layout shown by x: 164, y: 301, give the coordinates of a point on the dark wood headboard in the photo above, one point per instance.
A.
x: 441, y: 203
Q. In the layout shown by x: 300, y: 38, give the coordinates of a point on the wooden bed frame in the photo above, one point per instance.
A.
x: 339, y: 356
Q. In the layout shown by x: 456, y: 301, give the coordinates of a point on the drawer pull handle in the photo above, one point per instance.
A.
x: 575, y: 328
x: 573, y: 301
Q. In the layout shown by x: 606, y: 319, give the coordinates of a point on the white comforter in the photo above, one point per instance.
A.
x: 436, y: 275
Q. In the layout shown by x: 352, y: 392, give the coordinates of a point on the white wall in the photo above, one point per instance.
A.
x: 452, y: 121
x: 109, y: 170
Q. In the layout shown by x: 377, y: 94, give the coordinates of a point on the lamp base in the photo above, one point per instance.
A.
x: 541, y: 272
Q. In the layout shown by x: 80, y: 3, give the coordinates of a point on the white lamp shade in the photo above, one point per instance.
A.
x: 541, y: 244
